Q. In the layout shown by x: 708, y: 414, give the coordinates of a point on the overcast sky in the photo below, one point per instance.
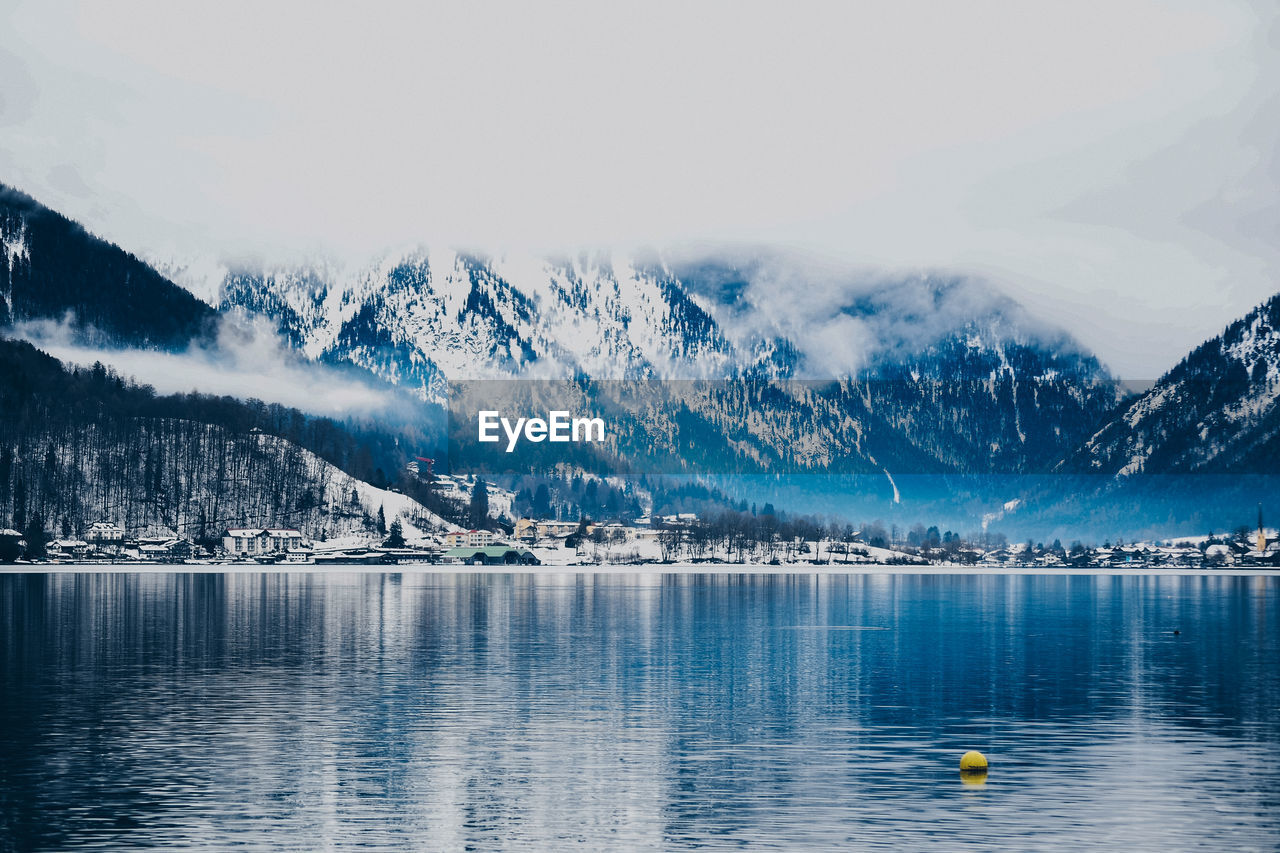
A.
x: 1114, y: 165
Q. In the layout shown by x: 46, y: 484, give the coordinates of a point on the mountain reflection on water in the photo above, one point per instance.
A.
x: 492, y: 712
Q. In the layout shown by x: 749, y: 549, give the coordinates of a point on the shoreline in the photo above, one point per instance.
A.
x: 643, y: 569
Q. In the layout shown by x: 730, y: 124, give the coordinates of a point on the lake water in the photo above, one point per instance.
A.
x: 547, y: 711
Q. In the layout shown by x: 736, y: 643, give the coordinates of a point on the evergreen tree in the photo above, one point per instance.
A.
x: 382, y: 521
x: 19, y: 503
x: 396, y: 539
x: 36, y: 537
x: 542, y: 502
x: 9, y: 549
x: 6, y: 472
x: 478, y: 511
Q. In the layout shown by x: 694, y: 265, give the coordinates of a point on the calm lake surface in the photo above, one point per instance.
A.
x: 546, y: 711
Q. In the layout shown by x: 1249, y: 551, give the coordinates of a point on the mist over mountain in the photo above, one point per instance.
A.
x: 717, y: 314
x: 83, y: 299
x: 79, y: 445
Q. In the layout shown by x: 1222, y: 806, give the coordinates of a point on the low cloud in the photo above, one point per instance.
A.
x: 247, y: 360
x: 842, y: 317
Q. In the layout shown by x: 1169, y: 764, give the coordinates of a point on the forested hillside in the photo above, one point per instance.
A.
x: 51, y: 268
x: 1216, y: 412
x: 79, y: 445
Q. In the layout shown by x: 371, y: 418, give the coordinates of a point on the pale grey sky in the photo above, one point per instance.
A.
x: 1114, y: 165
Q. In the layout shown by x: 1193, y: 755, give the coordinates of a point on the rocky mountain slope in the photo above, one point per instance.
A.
x: 1217, y: 411
x: 931, y: 374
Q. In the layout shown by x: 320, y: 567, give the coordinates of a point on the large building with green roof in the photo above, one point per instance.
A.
x: 491, y: 555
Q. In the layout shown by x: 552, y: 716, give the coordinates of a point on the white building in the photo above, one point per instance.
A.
x: 469, y: 539
x: 105, y: 536
x: 67, y: 549
x: 153, y: 552
x: 253, y: 541
x: 530, y: 530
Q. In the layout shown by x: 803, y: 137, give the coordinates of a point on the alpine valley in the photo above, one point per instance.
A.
x: 842, y: 392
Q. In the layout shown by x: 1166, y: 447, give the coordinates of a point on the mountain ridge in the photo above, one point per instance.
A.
x: 1216, y: 411
x: 965, y: 383
x: 422, y: 318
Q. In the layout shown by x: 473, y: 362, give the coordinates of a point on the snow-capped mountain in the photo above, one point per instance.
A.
x: 914, y: 374
x: 1217, y: 411
x: 932, y: 374
x: 832, y: 371
x: 419, y: 319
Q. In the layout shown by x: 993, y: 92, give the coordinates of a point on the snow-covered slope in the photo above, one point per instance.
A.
x: 1215, y: 412
x: 932, y: 373
x: 419, y: 318
x: 417, y: 521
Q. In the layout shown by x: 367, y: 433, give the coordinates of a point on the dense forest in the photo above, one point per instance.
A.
x: 51, y: 265
x: 79, y: 445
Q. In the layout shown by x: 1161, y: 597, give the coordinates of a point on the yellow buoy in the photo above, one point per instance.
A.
x: 973, y: 778
x: 973, y: 761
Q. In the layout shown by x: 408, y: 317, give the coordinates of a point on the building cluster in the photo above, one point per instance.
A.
x: 469, y: 539
x: 108, y: 542
x: 667, y: 539
x: 1137, y: 556
x: 556, y: 533
x: 1200, y: 553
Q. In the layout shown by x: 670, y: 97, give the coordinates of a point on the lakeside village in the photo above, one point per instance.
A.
x: 728, y: 537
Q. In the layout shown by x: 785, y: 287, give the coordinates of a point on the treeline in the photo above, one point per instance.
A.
x: 576, y: 497
x: 735, y: 537
x: 586, y: 496
x: 192, y: 478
